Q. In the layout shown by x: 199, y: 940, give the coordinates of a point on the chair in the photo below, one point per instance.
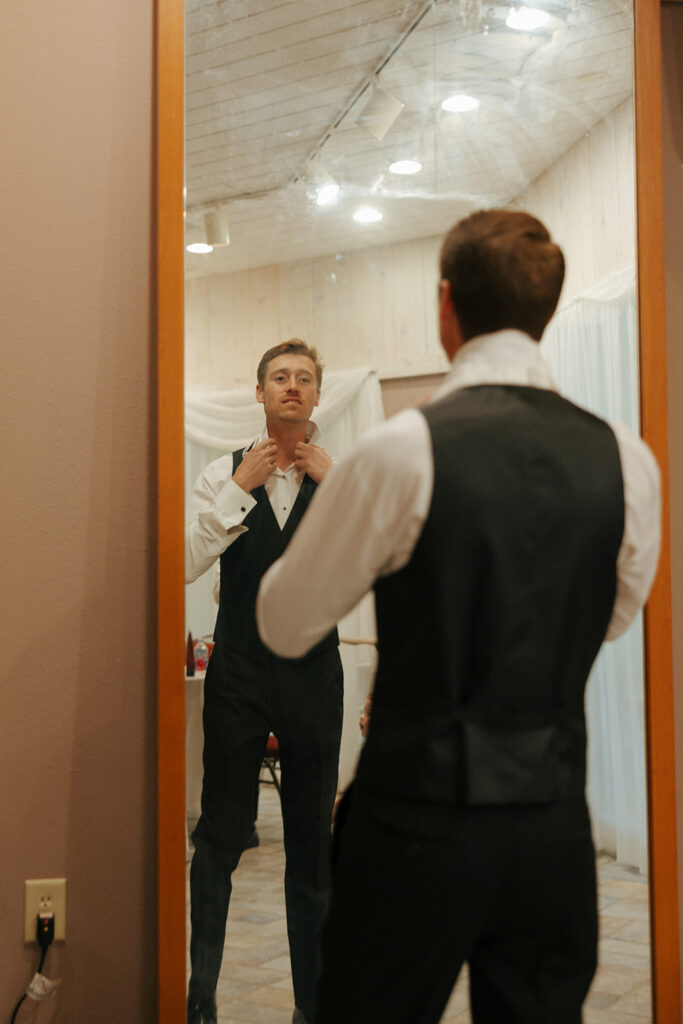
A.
x: 271, y: 761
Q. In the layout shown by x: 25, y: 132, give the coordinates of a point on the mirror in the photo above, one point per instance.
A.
x: 280, y: 101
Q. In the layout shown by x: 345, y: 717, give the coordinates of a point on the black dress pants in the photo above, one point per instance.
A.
x: 417, y: 891
x: 244, y: 700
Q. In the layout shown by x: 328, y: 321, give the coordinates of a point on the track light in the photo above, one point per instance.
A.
x: 327, y: 194
x: 216, y: 227
x: 378, y: 115
x: 207, y: 229
x: 324, y: 187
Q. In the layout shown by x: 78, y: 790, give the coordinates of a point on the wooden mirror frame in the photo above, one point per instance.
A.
x: 664, y: 910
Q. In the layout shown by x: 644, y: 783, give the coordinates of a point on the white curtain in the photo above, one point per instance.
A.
x: 592, y: 346
x: 217, y: 422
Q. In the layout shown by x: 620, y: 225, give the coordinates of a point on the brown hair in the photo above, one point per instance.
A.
x: 503, y: 270
x: 297, y: 347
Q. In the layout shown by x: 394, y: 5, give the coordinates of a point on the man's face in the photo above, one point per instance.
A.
x: 290, y: 389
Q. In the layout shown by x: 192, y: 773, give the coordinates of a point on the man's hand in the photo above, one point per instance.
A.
x: 256, y: 466
x: 364, y: 720
x: 312, y: 459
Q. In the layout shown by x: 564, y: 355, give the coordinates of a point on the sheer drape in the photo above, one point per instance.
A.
x: 217, y: 422
x: 592, y: 346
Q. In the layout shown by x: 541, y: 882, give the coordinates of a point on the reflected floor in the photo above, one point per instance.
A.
x: 256, y: 987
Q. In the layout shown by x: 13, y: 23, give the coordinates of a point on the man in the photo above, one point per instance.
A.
x: 244, y: 509
x: 506, y: 532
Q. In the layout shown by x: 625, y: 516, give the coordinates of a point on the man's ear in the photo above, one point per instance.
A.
x: 259, y: 394
x: 446, y: 308
x: 317, y: 397
x: 450, y: 332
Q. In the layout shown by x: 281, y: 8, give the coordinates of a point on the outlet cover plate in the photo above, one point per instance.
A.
x: 44, y: 894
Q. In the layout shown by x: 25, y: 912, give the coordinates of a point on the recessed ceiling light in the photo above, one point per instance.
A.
x: 327, y: 194
x: 367, y: 215
x: 199, y: 247
x: 526, y: 19
x: 459, y: 103
x: 405, y: 167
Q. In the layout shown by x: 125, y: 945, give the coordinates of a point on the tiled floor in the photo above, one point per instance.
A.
x: 256, y: 988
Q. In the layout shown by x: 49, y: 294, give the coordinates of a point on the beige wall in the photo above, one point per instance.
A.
x: 587, y: 200
x: 672, y: 41
x: 374, y: 306
x: 77, y: 754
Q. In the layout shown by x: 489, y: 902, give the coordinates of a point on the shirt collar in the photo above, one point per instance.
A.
x: 313, y: 436
x: 505, y: 357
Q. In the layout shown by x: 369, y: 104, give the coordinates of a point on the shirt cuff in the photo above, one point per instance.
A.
x: 233, y: 503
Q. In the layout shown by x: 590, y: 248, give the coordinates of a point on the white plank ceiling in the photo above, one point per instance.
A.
x: 271, y: 83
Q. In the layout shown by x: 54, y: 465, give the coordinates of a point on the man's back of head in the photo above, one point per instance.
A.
x: 503, y: 271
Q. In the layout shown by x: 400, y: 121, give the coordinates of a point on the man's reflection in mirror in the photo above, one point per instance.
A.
x: 507, y: 533
x: 244, y: 510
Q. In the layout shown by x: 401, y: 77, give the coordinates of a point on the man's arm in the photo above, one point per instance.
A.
x: 219, y: 502
x: 639, y: 551
x: 363, y: 522
x: 215, y: 512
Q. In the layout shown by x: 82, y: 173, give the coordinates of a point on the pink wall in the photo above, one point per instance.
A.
x: 77, y: 747
x: 672, y: 43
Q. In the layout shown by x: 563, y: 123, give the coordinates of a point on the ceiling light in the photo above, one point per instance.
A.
x: 208, y: 228
x: 367, y: 215
x: 322, y: 185
x: 216, y: 227
x: 526, y: 19
x: 380, y: 112
x: 405, y: 167
x: 459, y: 103
x: 327, y: 194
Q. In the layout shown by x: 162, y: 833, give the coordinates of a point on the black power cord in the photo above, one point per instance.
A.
x: 45, y: 931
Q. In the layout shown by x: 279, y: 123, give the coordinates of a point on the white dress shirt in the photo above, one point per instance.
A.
x: 218, y: 506
x: 367, y: 515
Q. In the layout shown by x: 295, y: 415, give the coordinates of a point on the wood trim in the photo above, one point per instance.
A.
x: 664, y: 909
x: 170, y: 45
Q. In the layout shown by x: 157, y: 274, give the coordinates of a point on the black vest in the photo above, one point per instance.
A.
x: 487, y: 636
x: 244, y: 563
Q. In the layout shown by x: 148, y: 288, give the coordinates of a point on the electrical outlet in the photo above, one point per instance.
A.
x: 41, y: 894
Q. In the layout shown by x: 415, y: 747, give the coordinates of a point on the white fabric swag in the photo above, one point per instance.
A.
x: 592, y: 346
